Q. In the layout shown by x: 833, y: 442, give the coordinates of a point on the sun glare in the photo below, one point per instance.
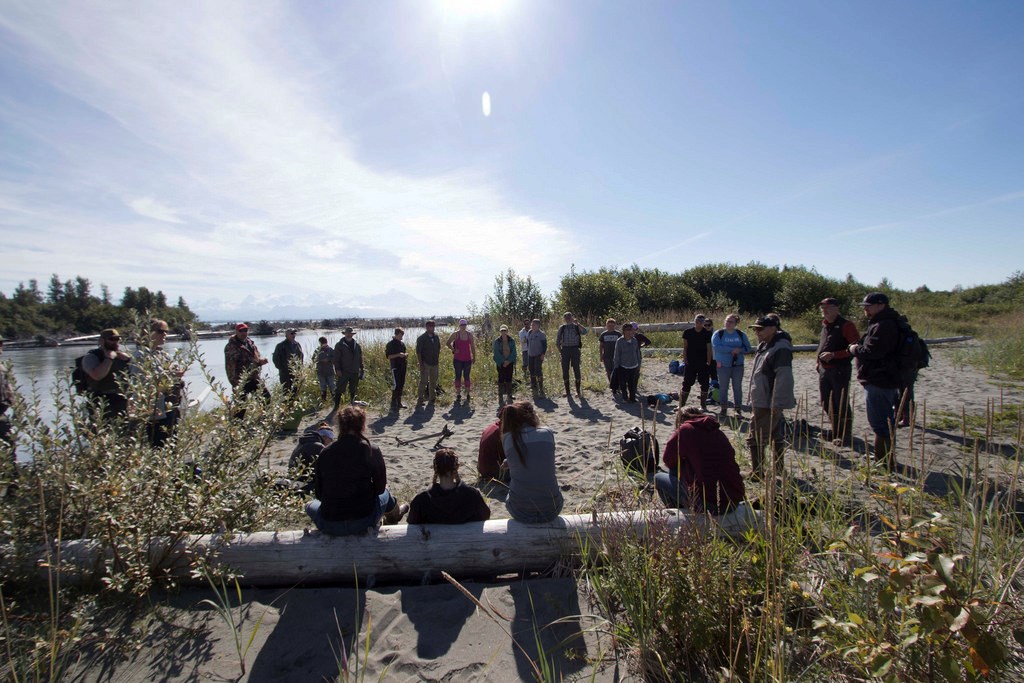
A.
x: 473, y: 8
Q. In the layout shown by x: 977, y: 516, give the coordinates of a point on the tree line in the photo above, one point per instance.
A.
x: 752, y: 288
x: 69, y: 307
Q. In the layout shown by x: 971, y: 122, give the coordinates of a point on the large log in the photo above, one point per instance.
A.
x: 400, y: 552
x: 654, y: 327
x: 654, y: 351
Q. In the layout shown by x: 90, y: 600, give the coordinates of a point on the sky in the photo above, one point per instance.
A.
x: 396, y: 156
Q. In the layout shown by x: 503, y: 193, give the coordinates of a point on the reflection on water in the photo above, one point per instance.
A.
x: 37, y: 369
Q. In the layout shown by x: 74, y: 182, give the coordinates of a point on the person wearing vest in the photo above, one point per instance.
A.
x: 569, y: 341
x: 104, y: 367
x: 835, y: 368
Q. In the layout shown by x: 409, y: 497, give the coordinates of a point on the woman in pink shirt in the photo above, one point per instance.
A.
x: 461, y: 345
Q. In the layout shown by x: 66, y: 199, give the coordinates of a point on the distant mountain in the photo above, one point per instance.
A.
x: 311, y: 307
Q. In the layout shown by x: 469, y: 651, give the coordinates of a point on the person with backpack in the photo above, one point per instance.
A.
x: 878, y: 371
x: 835, y: 368
x: 703, y: 475
x: 729, y: 345
x: 103, y: 368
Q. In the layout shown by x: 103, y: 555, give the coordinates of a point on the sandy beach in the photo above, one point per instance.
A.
x: 436, y: 633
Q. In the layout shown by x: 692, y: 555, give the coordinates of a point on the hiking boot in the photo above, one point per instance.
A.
x: 396, y: 515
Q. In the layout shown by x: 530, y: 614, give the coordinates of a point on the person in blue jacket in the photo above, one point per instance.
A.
x: 729, y: 346
x: 505, y: 358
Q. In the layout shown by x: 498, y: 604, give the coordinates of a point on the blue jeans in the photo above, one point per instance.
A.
x: 733, y: 374
x: 672, y: 492
x: 880, y: 404
x: 351, y: 527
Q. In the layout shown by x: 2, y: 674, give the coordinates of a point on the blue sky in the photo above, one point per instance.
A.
x: 257, y: 153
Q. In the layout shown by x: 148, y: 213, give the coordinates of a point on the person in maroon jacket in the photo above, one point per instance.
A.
x: 703, y: 475
x: 835, y: 368
x: 491, y: 455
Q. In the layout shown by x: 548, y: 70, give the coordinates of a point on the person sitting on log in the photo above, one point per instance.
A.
x: 703, y: 475
x: 350, y: 482
x: 448, y: 500
x: 534, y: 496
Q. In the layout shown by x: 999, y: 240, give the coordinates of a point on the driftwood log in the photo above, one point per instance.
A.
x: 397, y: 553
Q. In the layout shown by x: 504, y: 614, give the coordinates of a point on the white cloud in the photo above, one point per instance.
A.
x: 215, y: 108
x: 151, y: 208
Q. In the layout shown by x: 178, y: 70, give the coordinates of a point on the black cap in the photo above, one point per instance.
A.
x: 765, y: 321
x: 829, y: 301
x: 875, y: 298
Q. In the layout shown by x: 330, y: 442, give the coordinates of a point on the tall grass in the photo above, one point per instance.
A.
x: 864, y: 578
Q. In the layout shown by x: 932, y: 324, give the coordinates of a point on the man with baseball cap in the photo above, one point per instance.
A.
x: 835, y: 367
x: 771, y: 392
x: 878, y: 371
x: 242, y: 361
x: 103, y: 368
x: 283, y: 355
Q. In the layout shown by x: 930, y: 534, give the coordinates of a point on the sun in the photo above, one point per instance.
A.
x: 474, y: 8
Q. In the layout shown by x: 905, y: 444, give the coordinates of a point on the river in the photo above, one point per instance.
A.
x: 37, y: 368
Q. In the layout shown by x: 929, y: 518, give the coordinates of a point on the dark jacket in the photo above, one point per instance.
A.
x: 239, y: 357
x: 771, y: 380
x: 455, y: 506
x: 348, y: 360
x: 702, y: 458
x: 836, y: 336
x: 428, y: 349
x: 349, y: 475
x: 284, y: 352
x: 876, y: 352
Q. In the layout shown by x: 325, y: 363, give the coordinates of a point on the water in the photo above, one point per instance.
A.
x: 41, y: 366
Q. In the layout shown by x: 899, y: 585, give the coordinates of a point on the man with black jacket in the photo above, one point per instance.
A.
x: 835, y: 368
x: 878, y: 371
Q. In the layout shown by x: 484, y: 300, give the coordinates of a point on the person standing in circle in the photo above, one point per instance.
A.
x: 504, y: 349
x: 460, y: 343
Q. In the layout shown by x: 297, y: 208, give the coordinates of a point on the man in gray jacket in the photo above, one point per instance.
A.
x: 771, y: 392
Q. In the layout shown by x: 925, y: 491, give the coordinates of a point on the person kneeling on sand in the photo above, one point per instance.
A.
x: 302, y: 461
x: 534, y: 496
x: 703, y: 475
x: 448, y: 500
x: 490, y: 459
x: 350, y: 482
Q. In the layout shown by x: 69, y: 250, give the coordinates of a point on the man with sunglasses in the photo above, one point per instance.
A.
x: 242, y: 361
x: 103, y: 367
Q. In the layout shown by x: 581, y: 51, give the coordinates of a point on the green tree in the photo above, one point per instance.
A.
x: 514, y: 298
x: 594, y: 295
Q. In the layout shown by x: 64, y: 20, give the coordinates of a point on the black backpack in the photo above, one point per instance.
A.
x: 639, y: 451
x: 80, y: 380
x: 912, y: 352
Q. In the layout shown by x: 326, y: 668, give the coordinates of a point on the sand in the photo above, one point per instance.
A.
x: 436, y: 633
